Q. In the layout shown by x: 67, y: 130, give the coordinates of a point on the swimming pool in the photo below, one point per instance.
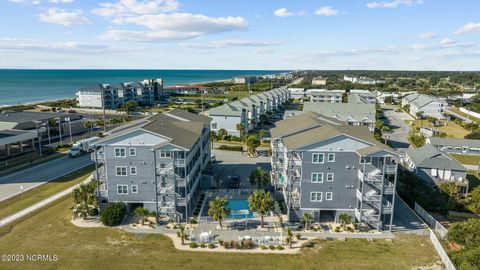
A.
x: 239, y: 209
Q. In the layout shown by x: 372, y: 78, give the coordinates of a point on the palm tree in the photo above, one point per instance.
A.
x: 222, y: 133
x: 259, y: 177
x: 307, y: 217
x: 289, y: 238
x: 83, y: 195
x: 182, y: 234
x: 88, y: 125
x: 261, y: 133
x: 213, y: 137
x: 240, y: 128
x: 218, y: 209
x: 252, y: 143
x: 142, y: 212
x: 345, y: 219
x: 261, y: 202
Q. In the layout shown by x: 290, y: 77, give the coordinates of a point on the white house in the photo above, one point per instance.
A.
x: 429, y: 106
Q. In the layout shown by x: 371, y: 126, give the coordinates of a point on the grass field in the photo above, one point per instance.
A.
x: 50, y: 232
x: 467, y: 159
x: 452, y: 130
x: 17, y: 203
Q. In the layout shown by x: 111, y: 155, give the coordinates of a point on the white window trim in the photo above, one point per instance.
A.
x: 120, y: 148
x: 434, y: 172
x: 316, y: 182
x: 333, y: 177
x: 316, y: 197
x: 165, y: 151
x: 134, y: 151
x: 328, y: 157
x: 370, y: 162
x: 319, y: 154
x: 122, y: 189
x: 135, y: 170
x: 136, y: 188
x: 326, y: 196
x: 116, y: 170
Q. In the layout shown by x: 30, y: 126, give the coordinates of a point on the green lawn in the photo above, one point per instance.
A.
x: 17, y: 203
x: 50, y: 232
x: 467, y: 159
x: 451, y: 129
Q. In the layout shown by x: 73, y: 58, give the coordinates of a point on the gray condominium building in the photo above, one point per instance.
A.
x: 155, y: 163
x: 326, y: 167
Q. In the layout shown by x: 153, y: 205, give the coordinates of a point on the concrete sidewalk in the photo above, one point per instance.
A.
x: 41, y: 204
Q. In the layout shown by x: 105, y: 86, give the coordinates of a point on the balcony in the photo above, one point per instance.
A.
x: 181, y: 201
x: 180, y: 162
x: 391, y: 169
x: 100, y: 156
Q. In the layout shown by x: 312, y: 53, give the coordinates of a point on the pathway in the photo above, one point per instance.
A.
x: 41, y: 204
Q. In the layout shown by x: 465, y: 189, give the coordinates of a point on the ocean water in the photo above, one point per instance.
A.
x: 20, y: 86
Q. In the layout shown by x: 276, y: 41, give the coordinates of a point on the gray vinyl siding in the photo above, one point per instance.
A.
x: 343, y: 185
x: 145, y: 178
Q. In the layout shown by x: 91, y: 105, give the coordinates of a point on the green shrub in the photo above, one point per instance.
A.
x: 193, y: 221
x: 231, y: 147
x: 279, y: 247
x: 211, y: 246
x: 263, y: 247
x: 203, y: 245
x: 271, y: 247
x: 220, y: 242
x: 193, y: 245
x: 93, y: 212
x: 113, y: 213
x: 299, y: 236
x: 337, y: 229
x: 248, y: 244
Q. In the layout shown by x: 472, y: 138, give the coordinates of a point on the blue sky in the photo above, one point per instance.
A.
x: 241, y: 34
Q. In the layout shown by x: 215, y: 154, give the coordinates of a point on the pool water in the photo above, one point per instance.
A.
x: 239, y: 208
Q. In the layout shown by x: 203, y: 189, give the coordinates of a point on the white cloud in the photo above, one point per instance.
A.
x: 231, y: 43
x: 283, y: 12
x: 63, y: 17
x: 468, y: 28
x: 175, y: 26
x: 133, y: 7
x: 33, y: 2
x: 22, y: 45
x: 427, y: 35
x: 445, y: 43
x: 420, y: 47
x: 146, y: 36
x: 393, y: 4
x: 263, y: 51
x: 326, y: 11
x: 61, y: 1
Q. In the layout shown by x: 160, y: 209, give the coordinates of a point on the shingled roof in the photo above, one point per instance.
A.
x: 428, y: 156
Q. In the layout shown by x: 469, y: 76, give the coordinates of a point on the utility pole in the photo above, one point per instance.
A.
x: 69, y: 128
x: 60, y: 129
x: 48, y: 131
x: 103, y: 107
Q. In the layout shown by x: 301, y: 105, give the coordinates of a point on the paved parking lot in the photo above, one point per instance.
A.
x: 235, y: 163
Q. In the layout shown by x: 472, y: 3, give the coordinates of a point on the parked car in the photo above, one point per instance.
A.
x: 234, y: 181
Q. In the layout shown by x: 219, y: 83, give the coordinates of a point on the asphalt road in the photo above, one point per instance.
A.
x: 400, y: 129
x: 40, y: 174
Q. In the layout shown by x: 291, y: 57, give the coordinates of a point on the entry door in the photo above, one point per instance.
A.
x: 441, y: 173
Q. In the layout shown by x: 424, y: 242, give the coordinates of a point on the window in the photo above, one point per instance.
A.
x: 122, y: 189
x: 133, y: 170
x: 434, y: 172
x: 331, y: 157
x: 165, y: 153
x: 317, y: 177
x: 133, y: 152
x: 316, y: 196
x: 366, y: 160
x: 330, y: 177
x: 214, y: 125
x: 134, y: 189
x: 121, y: 170
x: 317, y: 158
x: 328, y: 196
x: 120, y: 152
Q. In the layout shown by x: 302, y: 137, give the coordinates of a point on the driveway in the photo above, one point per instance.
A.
x: 41, y: 174
x: 235, y: 163
x: 468, y: 121
x: 400, y: 129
